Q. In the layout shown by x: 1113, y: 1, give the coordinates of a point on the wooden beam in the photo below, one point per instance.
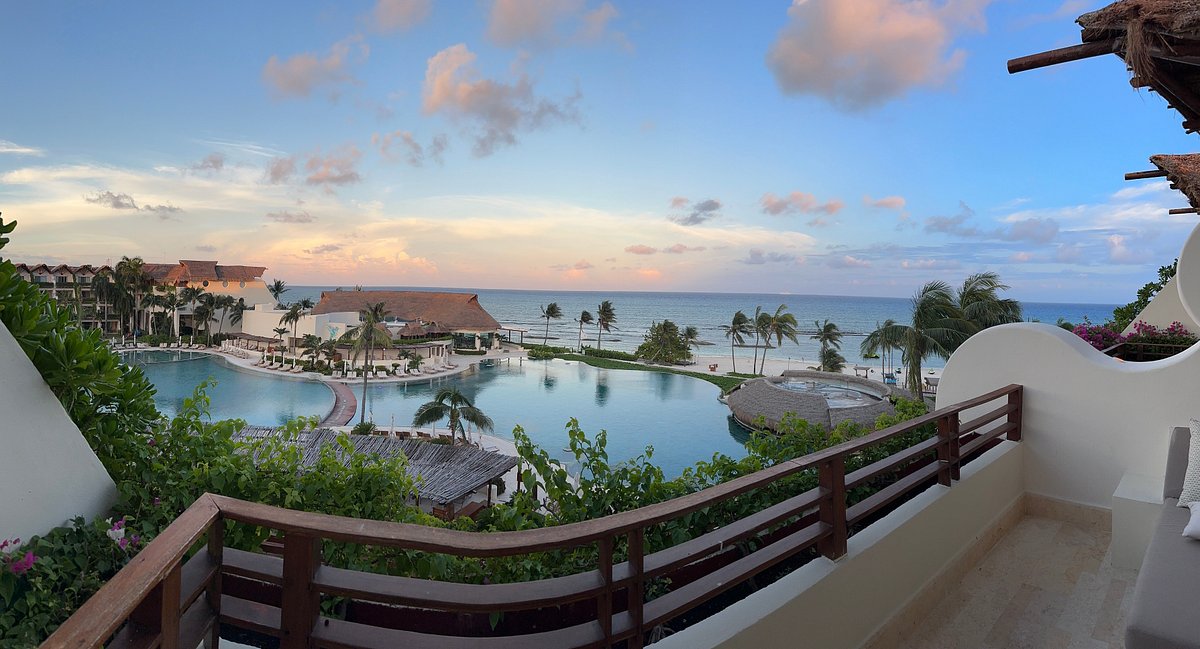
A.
x: 1143, y: 175
x: 1064, y: 55
x: 1185, y: 210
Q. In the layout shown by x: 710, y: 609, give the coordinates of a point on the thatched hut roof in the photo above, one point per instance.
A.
x: 1184, y: 173
x: 1159, y: 41
x: 456, y: 311
x: 443, y: 473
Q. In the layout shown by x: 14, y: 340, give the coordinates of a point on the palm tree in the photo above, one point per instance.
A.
x: 369, y: 334
x: 884, y: 351
x: 691, y: 337
x: 189, y: 295
x: 937, y: 328
x: 224, y: 303
x: 292, y: 317
x: 203, y: 312
x: 980, y: 302
x: 831, y: 360
x: 238, y: 311
x: 779, y: 325
x: 830, y: 338
x: 277, y: 288
x: 131, y: 277
x: 548, y: 312
x: 736, y: 331
x: 757, y: 324
x: 605, y: 316
x: 280, y: 332
x: 103, y: 295
x: 451, y: 404
x: 312, y: 345
x: 584, y: 318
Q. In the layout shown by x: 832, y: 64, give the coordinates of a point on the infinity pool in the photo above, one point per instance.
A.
x: 678, y: 415
x: 259, y: 399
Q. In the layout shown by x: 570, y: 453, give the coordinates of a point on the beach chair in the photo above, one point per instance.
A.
x: 889, y: 379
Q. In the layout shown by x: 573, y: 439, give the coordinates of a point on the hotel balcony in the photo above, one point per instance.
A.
x: 940, y: 544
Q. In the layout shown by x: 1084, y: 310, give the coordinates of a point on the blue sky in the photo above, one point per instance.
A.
x: 857, y: 148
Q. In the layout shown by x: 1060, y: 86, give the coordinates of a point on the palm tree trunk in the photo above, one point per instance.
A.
x: 362, y: 407
x: 581, y: 336
x: 599, y: 329
x: 732, y: 355
x: 754, y: 365
x: 546, y: 338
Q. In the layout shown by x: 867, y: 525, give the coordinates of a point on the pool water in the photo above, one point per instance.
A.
x: 259, y: 399
x: 678, y: 415
x: 836, y: 395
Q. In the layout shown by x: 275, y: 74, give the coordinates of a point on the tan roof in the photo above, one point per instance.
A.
x: 190, y: 270
x: 458, y: 311
x: 1184, y: 173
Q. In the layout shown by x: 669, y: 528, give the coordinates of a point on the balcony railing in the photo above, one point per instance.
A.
x: 186, y: 583
x: 1143, y: 352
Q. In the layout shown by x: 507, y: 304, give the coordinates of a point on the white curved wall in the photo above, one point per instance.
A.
x: 1087, y: 418
x: 48, y: 473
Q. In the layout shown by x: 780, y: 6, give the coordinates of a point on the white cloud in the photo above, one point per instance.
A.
x: 12, y: 148
x: 849, y: 261
x: 862, y: 53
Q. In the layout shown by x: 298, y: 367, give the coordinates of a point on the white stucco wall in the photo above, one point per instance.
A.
x: 48, y: 474
x: 835, y: 605
x: 263, y: 322
x: 1165, y: 308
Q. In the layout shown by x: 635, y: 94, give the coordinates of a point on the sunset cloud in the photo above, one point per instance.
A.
x: 402, y: 145
x: 849, y: 261
x: 695, y: 213
x: 302, y: 74
x: 798, y: 203
x: 290, y: 217
x: 546, y: 23
x: 212, y: 162
x: 640, y: 249
x: 864, y: 53
x: 887, y: 202
x: 498, y: 111
x: 112, y: 200
x: 279, y: 170
x: 334, y: 169
x: 399, y: 15
x: 679, y: 249
x: 758, y: 257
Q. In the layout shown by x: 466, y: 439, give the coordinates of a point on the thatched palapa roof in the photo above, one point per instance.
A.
x: 1184, y: 173
x: 455, y: 311
x: 442, y: 473
x: 1159, y: 41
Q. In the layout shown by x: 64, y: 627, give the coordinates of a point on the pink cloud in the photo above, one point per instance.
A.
x: 679, y: 249
x: 848, y: 261
x: 300, y: 75
x: 863, y: 53
x: 399, y: 15
x: 798, y: 202
x: 543, y: 23
x: 887, y: 202
x: 679, y: 202
x: 640, y: 249
x: 337, y: 168
x: 500, y: 110
x: 402, y: 144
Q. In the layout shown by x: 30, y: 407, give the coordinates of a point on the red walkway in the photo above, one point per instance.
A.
x: 344, y: 405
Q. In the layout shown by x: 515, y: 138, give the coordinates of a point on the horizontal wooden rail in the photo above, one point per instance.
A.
x: 164, y: 598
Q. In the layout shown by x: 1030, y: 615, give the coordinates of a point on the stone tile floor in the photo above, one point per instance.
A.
x: 1046, y: 584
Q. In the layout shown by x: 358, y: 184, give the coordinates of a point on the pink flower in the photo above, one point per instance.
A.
x: 22, y: 565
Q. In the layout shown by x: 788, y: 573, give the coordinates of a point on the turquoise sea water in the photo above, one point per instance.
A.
x: 707, y: 311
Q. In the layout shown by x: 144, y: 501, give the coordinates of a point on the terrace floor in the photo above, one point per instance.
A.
x: 1046, y: 584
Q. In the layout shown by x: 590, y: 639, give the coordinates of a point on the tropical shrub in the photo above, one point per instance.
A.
x: 608, y: 353
x: 363, y: 428
x: 1099, y: 336
x: 1174, y: 334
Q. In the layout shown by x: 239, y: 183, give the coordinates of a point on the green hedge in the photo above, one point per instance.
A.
x: 609, y: 353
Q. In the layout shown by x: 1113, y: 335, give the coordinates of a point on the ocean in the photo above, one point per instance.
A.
x: 855, y: 316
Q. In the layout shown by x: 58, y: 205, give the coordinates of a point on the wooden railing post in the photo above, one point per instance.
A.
x: 1016, y: 402
x: 637, y: 589
x: 831, y: 476
x: 948, y: 446
x: 159, y: 612
x: 301, y: 604
x: 604, y: 603
x: 216, y: 550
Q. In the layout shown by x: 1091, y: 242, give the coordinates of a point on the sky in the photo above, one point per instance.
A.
x: 811, y: 147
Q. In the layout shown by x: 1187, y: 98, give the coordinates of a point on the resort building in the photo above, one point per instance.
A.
x: 1043, y: 512
x: 411, y: 314
x: 72, y: 286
